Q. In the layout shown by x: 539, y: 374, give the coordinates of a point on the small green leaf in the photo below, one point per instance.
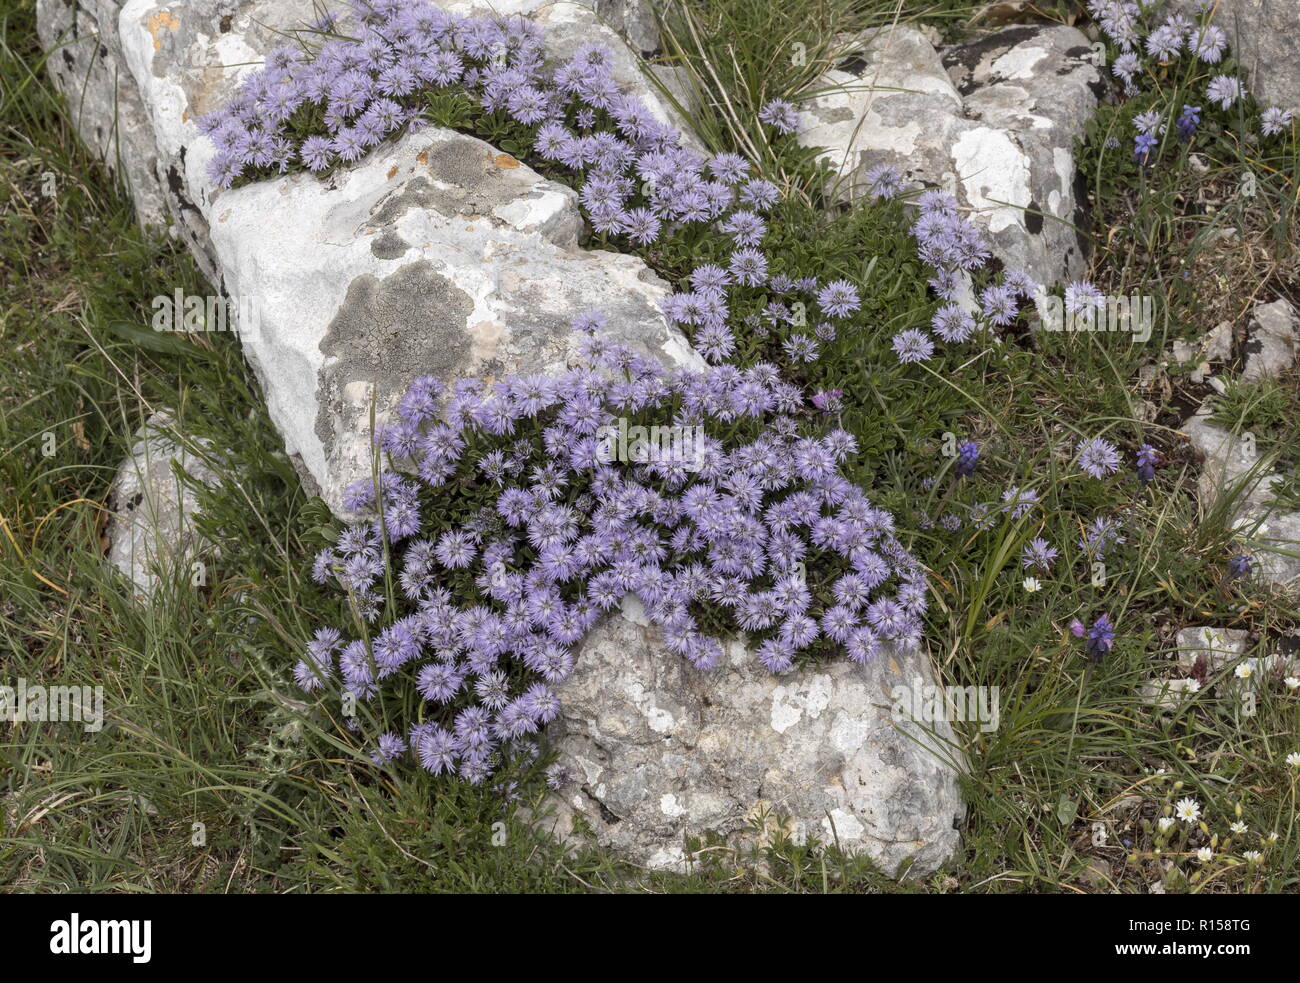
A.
x: 164, y: 342
x: 1066, y: 808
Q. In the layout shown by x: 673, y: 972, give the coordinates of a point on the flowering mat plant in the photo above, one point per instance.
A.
x: 757, y: 531
x: 1054, y: 546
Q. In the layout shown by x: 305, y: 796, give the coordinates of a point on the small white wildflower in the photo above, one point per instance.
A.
x: 1252, y: 856
x: 1205, y: 854
x: 1238, y: 827
x: 1272, y: 837
x: 1187, y: 810
x: 1165, y: 823
x: 1293, y: 759
x: 1243, y: 671
x: 1032, y: 585
x: 1292, y: 682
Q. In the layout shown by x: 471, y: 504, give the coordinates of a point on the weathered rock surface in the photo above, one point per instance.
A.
x: 1273, y: 341
x: 1216, y: 657
x: 1215, y: 647
x: 1168, y: 695
x: 635, y: 20
x: 1264, y: 39
x: 1233, y: 463
x: 659, y: 751
x: 151, y: 533
x: 993, y: 122
x: 103, y: 100
x: 433, y: 255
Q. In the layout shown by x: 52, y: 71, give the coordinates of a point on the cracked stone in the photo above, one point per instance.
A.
x: 151, y: 533
x: 816, y: 754
x: 992, y: 121
x: 1273, y: 341
x: 324, y: 269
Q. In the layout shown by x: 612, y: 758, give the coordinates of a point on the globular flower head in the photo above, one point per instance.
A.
x: 1098, y: 457
x: 1208, y: 43
x: 1224, y: 90
x: 913, y: 346
x: 1082, y: 297
x: 829, y: 400
x: 839, y: 298
x: 780, y: 115
x: 884, y: 181
x: 1039, y: 554
x: 1275, y: 120
x: 390, y: 747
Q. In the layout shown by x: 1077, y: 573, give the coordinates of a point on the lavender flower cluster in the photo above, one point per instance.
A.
x: 638, y: 181
x: 363, y: 87
x: 762, y: 536
x: 767, y: 535
x: 953, y: 246
x: 1178, y: 34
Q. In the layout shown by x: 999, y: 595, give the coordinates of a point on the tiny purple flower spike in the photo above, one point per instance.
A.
x: 1076, y: 628
x: 1239, y: 566
x: 1188, y: 122
x: 1144, y: 144
x: 968, y: 455
x: 1101, y: 638
x: 1146, y: 463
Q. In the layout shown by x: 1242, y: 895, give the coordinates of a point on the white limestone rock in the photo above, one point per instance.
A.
x: 1273, y: 341
x: 1214, y: 647
x: 104, y: 104
x: 660, y: 751
x: 151, y: 533
x: 435, y: 254
x: 993, y: 122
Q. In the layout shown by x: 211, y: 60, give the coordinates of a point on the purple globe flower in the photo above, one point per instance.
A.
x: 1038, y: 554
x: 780, y: 115
x: 1098, y: 457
